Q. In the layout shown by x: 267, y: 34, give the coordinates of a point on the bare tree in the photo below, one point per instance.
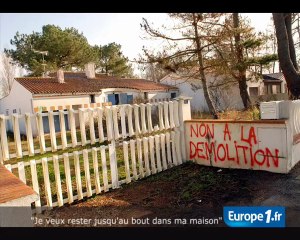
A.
x: 7, y: 74
x: 286, y: 52
x: 189, y: 42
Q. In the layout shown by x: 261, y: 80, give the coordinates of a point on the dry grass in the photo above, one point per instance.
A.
x: 250, y: 114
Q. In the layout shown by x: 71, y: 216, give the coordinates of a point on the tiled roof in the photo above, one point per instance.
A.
x: 77, y: 83
x: 273, y: 77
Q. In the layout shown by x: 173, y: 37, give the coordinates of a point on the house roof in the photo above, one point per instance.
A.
x: 78, y: 83
x: 273, y: 77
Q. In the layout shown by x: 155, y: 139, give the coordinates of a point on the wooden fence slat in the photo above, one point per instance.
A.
x: 140, y: 158
x: 166, y: 115
x: 56, y: 167
x: 96, y: 170
x: 143, y: 118
x: 17, y: 136
x: 21, y: 171
x: 47, y: 182
x: 178, y: 147
x: 109, y: 126
x: 92, y: 125
x: 29, y: 136
x: 130, y: 122
x: 176, y: 113
x: 113, y: 166
x: 160, y: 116
x: 1, y: 156
x: 168, y: 143
x: 4, y: 143
x: 115, y: 122
x: 52, y: 131
x: 35, y: 184
x: 136, y: 119
x: 104, y: 168
x: 149, y: 117
x: 152, y: 157
x: 81, y: 112
x: 174, y: 154
x: 163, y: 151
x: 157, y: 150
x: 123, y: 121
x: 171, y: 114
x: 40, y: 127
x: 78, y: 175
x: 126, y: 161
x: 87, y: 172
x: 63, y: 133
x: 146, y: 156
x: 100, y: 124
x: 68, y: 177
x: 73, y: 127
x: 133, y: 159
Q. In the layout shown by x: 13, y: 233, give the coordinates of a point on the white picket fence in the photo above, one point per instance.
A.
x: 137, y: 151
x: 167, y: 113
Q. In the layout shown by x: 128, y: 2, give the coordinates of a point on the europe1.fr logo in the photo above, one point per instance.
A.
x: 254, y: 216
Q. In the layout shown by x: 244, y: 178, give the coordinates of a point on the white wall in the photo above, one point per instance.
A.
x: 239, y: 144
x: 62, y: 100
x: 229, y: 97
x: 18, y: 99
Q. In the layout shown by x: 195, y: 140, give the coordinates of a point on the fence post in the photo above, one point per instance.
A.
x: 63, y: 133
x: 73, y: 127
x: 40, y: 127
x: 160, y: 116
x: 47, y: 182
x: 149, y: 117
x: 126, y: 160
x: 15, y: 120
x: 130, y: 122
x: 104, y: 168
x: 143, y: 118
x: 82, y: 125
x: 78, y: 175
x: 96, y: 170
x: 4, y: 144
x: 68, y: 177
x: 60, y: 199
x: 171, y: 111
x: 29, y: 134
x: 100, y: 124
x: 133, y: 159
x: 87, y: 172
x: 136, y: 119
x: 166, y: 115
x: 52, y: 131
x: 92, y: 125
x: 163, y: 151
x: 123, y: 121
x: 35, y: 184
x: 146, y: 156
x: 157, y: 150
x: 184, y: 114
x: 152, y: 158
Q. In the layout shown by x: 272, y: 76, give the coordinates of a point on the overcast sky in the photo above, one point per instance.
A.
x: 98, y: 28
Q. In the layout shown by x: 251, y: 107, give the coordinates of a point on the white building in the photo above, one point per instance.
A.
x: 227, y: 96
x: 67, y: 90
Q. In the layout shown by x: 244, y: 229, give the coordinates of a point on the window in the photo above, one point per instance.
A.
x: 173, y: 95
x: 92, y: 99
x: 145, y: 95
x: 114, y: 99
x: 14, y: 110
x: 253, y: 91
x: 130, y: 99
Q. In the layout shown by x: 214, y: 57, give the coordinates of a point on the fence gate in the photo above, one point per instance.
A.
x: 106, y: 148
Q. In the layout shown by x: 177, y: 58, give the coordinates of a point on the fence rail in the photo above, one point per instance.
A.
x: 116, y: 145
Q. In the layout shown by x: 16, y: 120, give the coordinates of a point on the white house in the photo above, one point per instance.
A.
x: 65, y: 90
x: 227, y: 96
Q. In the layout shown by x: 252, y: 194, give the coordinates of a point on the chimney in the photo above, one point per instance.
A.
x: 60, y: 76
x: 90, y: 70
